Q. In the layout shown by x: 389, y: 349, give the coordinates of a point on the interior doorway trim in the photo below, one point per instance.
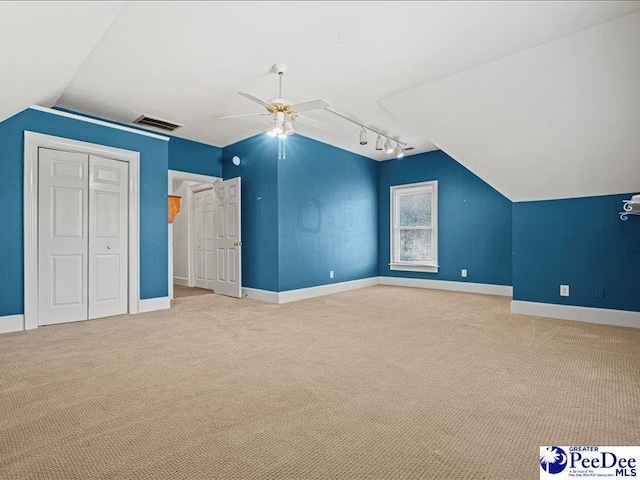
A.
x: 192, y: 177
x: 32, y: 143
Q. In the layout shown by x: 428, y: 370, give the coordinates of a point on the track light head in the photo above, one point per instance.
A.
x: 363, y: 136
x: 387, y: 146
x: 398, y: 151
x: 378, y: 142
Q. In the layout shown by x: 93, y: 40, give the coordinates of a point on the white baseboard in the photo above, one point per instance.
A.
x: 154, y: 304
x: 311, y: 292
x: 264, y: 295
x: 181, y: 281
x: 482, y: 288
x: 11, y: 323
x: 604, y: 316
x: 319, y: 291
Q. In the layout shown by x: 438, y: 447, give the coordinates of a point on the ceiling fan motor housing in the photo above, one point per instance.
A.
x: 279, y: 68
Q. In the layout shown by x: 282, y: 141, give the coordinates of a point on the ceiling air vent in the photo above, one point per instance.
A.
x: 148, y: 121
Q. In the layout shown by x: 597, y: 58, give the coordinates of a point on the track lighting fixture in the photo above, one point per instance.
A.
x: 380, y: 145
x: 363, y: 136
x: 387, y: 146
x: 379, y: 142
x: 398, y: 151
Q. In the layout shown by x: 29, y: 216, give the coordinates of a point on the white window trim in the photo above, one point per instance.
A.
x: 430, y: 267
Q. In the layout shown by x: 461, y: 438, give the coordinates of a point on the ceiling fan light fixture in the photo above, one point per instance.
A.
x: 363, y: 136
x: 288, y: 127
x: 272, y: 129
x: 398, y: 151
x: 277, y: 130
x: 278, y: 124
x: 379, y: 142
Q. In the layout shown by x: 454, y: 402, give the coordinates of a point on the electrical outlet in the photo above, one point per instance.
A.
x: 564, y: 290
x: 464, y: 273
x: 600, y: 293
x: 330, y: 273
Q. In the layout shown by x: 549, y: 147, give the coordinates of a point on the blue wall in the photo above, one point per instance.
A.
x: 327, y: 214
x: 322, y: 208
x: 195, y: 157
x: 579, y: 242
x: 304, y: 215
x: 153, y: 204
x: 474, y: 229
x: 258, y: 170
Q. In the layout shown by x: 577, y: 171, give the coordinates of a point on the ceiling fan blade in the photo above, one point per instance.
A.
x: 312, y: 105
x: 312, y: 122
x: 258, y: 100
x: 243, y: 115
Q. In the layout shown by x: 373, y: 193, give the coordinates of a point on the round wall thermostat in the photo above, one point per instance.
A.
x: 236, y: 160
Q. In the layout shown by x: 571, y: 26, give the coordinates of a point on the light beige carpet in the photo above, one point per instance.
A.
x: 180, y: 291
x: 379, y: 383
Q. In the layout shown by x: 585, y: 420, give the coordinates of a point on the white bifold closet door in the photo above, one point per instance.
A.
x: 108, y: 237
x: 82, y: 237
x: 204, y: 238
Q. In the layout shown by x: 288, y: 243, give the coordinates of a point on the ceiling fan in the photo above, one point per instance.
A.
x: 284, y: 112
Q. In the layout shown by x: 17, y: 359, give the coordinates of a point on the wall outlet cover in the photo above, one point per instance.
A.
x: 464, y: 273
x: 330, y: 273
x: 564, y: 290
x: 600, y: 293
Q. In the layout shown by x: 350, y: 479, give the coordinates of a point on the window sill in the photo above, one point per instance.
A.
x: 408, y: 267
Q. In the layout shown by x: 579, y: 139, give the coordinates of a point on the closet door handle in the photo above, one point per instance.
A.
x: 108, y: 247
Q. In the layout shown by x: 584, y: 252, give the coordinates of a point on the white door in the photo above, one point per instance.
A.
x: 198, y: 238
x: 82, y: 237
x: 209, y: 240
x: 203, y: 236
x: 63, y: 235
x: 228, y: 240
x: 108, y: 237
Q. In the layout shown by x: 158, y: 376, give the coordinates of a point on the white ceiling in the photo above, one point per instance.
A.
x: 185, y: 61
x: 557, y: 121
x: 42, y: 46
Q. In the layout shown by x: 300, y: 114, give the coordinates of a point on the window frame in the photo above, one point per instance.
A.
x: 394, y: 237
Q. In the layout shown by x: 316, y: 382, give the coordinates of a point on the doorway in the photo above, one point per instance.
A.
x: 189, y: 230
x: 204, y: 239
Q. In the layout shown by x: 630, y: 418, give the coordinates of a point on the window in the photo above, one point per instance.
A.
x: 414, y: 227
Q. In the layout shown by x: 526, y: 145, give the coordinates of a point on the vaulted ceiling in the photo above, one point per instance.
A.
x: 557, y: 121
x: 43, y: 46
x: 538, y: 98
